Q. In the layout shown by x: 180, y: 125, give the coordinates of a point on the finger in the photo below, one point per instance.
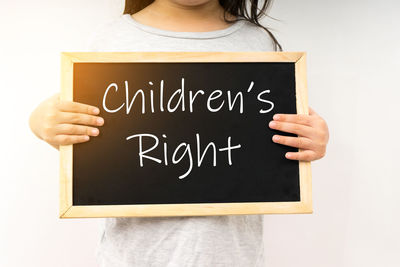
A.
x: 295, y: 118
x: 306, y: 155
x: 299, y: 142
x: 311, y: 111
x: 64, y: 139
x: 72, y: 129
x: 299, y: 129
x: 79, y: 118
x: 69, y: 106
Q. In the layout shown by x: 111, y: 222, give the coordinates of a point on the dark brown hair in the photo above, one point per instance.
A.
x: 233, y: 7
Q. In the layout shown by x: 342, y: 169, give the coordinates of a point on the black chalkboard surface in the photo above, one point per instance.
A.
x: 184, y: 133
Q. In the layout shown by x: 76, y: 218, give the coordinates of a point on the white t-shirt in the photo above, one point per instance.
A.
x: 235, y: 240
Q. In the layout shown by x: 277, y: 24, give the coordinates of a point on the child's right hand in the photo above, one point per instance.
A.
x: 64, y: 122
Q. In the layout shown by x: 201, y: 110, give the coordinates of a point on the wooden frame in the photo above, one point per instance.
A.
x: 67, y: 210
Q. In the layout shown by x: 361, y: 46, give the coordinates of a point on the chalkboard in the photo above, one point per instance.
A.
x: 185, y: 134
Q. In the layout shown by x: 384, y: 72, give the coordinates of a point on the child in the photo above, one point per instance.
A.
x: 180, y: 25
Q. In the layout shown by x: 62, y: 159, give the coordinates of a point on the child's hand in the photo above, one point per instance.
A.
x: 312, y: 131
x: 64, y: 122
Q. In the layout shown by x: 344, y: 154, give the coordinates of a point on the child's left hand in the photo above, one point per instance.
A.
x: 312, y: 131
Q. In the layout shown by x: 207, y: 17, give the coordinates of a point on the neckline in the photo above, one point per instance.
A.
x: 190, y: 35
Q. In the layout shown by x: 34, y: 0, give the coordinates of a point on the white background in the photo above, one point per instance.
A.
x: 353, y: 68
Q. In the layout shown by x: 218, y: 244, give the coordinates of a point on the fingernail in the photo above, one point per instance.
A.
x: 95, y: 131
x: 276, y: 117
x: 288, y: 155
x: 272, y: 124
x: 275, y: 138
x: 96, y: 111
x: 100, y: 121
x: 86, y: 137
